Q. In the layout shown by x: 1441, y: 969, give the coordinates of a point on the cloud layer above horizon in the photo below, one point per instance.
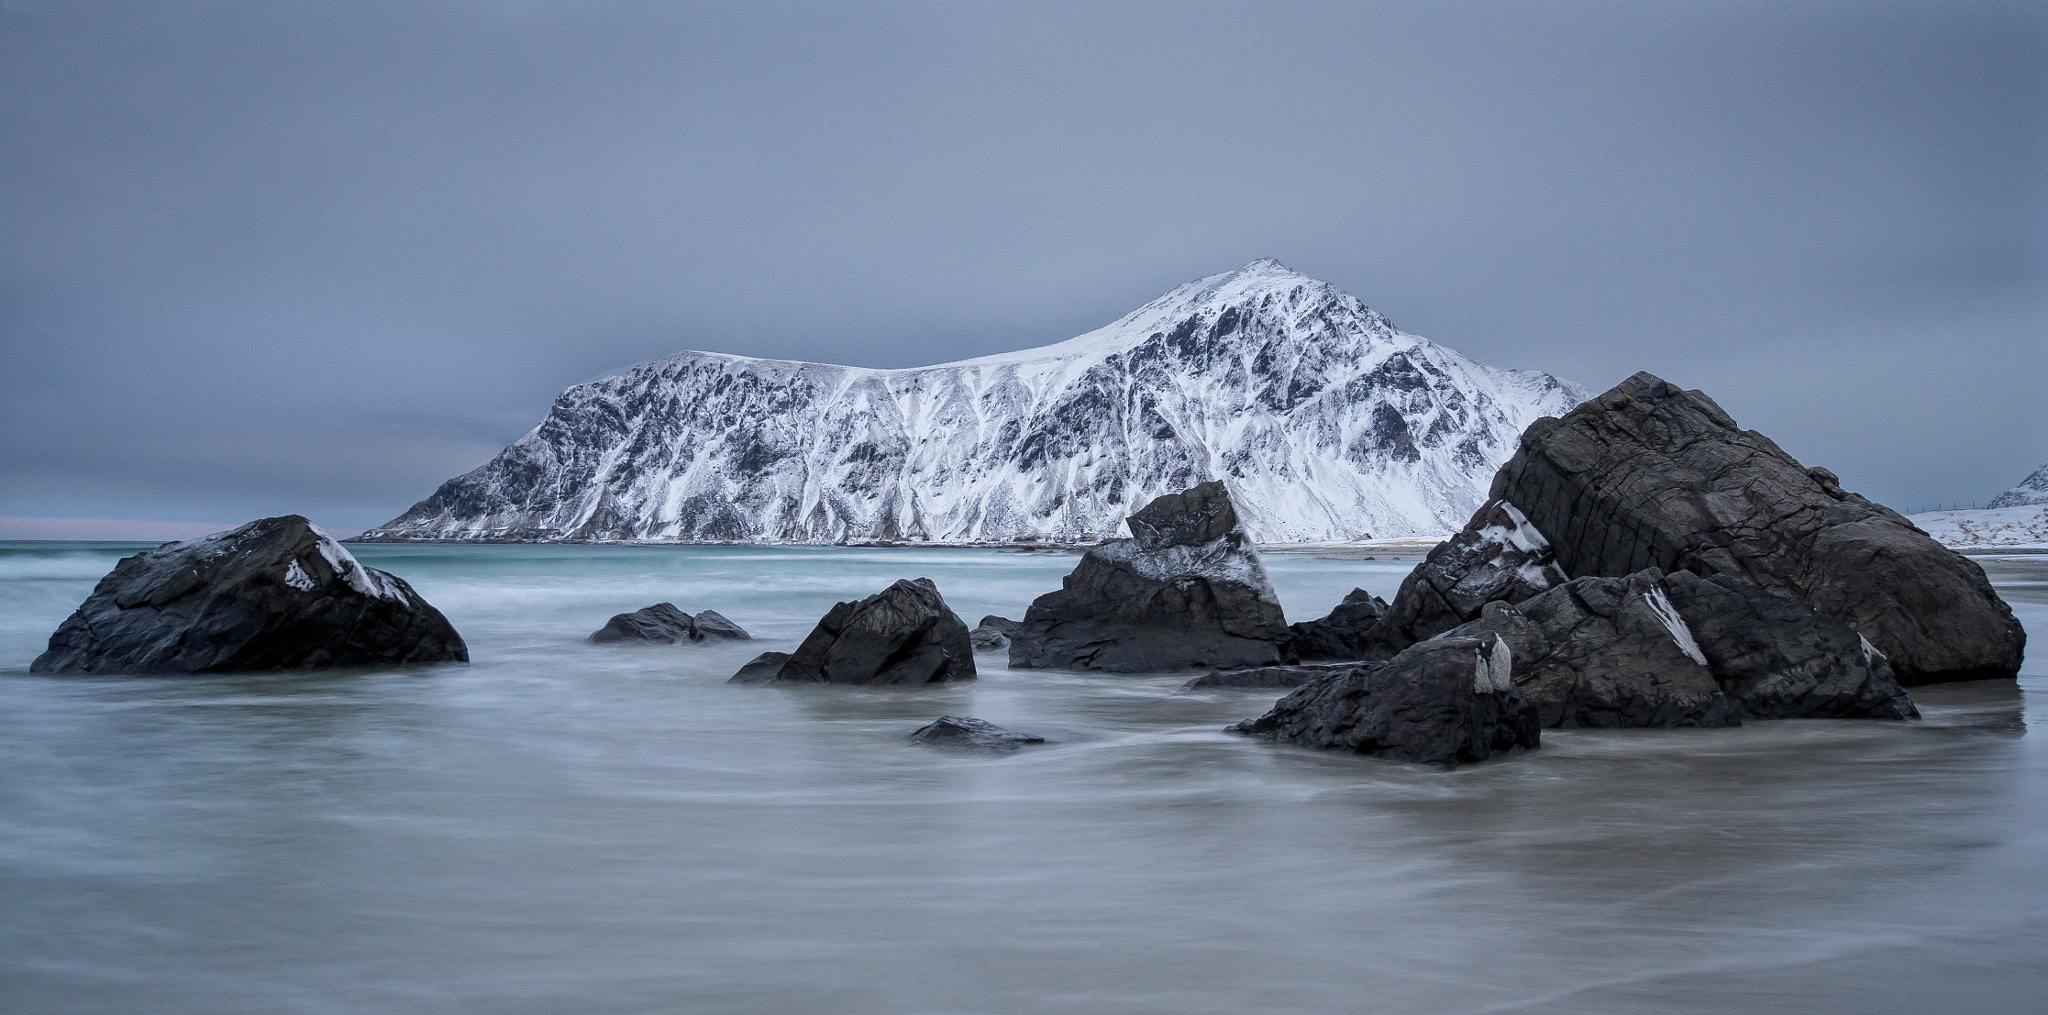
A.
x: 260, y: 258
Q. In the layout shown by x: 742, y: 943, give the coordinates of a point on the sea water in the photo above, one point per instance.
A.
x: 563, y: 827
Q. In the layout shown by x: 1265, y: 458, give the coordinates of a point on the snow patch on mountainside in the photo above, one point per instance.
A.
x: 1324, y: 421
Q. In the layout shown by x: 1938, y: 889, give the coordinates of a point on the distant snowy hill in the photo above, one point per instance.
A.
x: 2025, y: 525
x: 2032, y: 490
x: 1325, y: 422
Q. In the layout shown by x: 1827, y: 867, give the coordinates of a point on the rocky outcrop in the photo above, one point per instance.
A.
x: 1648, y: 475
x: 1261, y: 677
x: 2032, y: 490
x: 968, y: 733
x: 904, y: 634
x: 1187, y: 590
x: 1439, y: 702
x: 275, y: 594
x: 663, y: 624
x: 992, y: 634
x: 1346, y: 633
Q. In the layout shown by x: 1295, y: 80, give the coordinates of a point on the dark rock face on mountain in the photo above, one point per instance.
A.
x: 1439, y: 702
x: 1346, y: 633
x: 904, y: 634
x: 662, y: 623
x: 1164, y: 602
x: 1648, y: 475
x: 1262, y: 677
x: 1498, y: 557
x: 992, y: 634
x: 969, y: 733
x: 275, y: 594
x: 1326, y: 420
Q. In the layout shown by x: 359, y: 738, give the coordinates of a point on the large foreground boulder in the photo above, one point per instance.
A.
x: 1649, y: 475
x: 1187, y: 590
x: 275, y: 594
x: 663, y: 624
x: 1606, y: 652
x: 1439, y: 702
x: 1498, y: 557
x: 904, y: 634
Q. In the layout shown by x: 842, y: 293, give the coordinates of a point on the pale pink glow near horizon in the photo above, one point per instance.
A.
x: 117, y: 529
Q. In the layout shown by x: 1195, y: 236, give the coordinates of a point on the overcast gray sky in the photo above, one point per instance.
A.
x: 270, y: 257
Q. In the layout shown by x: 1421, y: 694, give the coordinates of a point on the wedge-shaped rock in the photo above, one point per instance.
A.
x: 275, y: 594
x: 1439, y: 702
x: 1188, y: 590
x: 1346, y: 633
x: 1648, y: 475
x: 663, y: 624
x: 968, y: 733
x: 904, y: 634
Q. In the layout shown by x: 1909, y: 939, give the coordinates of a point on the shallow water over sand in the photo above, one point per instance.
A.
x: 564, y: 827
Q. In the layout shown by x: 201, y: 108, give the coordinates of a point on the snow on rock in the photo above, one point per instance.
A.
x: 1323, y: 420
x: 2032, y: 490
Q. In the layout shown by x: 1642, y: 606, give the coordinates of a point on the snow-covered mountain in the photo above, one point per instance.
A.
x: 2032, y: 490
x: 1323, y: 419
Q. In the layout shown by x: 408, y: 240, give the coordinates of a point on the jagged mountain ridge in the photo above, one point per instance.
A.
x: 1323, y: 420
x: 2032, y: 490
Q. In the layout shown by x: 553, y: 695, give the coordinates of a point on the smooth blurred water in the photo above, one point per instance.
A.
x: 564, y: 827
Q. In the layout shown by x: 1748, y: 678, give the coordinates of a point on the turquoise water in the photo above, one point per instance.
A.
x: 565, y: 827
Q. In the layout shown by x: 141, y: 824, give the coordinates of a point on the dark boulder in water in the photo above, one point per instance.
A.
x: 959, y: 731
x: 1188, y: 590
x: 1498, y: 557
x: 1439, y: 702
x: 992, y: 634
x: 1649, y: 475
x: 663, y: 624
x: 275, y: 594
x: 904, y: 634
x: 1348, y: 632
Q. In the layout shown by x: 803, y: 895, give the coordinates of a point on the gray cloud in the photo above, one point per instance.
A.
x: 257, y: 258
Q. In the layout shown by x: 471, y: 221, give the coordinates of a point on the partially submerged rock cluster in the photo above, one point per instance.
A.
x: 1641, y: 561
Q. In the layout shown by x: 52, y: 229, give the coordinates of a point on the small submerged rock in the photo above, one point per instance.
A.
x: 1440, y: 702
x: 663, y: 624
x: 961, y: 731
x: 1262, y: 677
x: 904, y: 634
x: 992, y: 634
x: 1187, y: 590
x: 275, y: 594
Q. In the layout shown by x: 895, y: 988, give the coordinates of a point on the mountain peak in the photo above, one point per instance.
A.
x: 1323, y: 420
